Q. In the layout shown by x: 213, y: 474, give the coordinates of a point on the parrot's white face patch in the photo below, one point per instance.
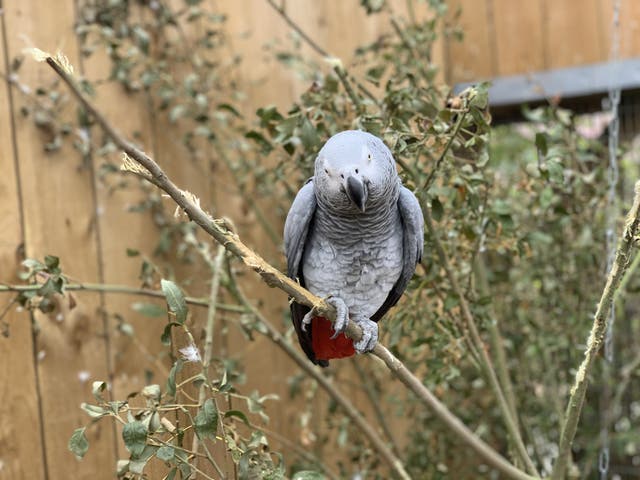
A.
x: 354, y: 161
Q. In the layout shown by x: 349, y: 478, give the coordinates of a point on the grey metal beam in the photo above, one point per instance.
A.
x: 572, y: 82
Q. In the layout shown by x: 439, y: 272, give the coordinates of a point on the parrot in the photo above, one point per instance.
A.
x: 353, y: 236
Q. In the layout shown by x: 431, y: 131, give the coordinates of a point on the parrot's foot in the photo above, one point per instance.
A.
x: 342, y: 316
x: 369, y: 335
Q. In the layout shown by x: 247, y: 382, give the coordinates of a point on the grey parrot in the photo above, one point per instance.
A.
x: 353, y: 236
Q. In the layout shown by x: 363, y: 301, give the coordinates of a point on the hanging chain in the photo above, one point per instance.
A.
x: 610, y: 241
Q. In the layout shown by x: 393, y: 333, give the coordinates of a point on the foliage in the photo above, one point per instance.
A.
x: 521, y: 216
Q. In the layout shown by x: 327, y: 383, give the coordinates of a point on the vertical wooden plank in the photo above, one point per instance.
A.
x: 518, y: 28
x: 20, y: 428
x: 59, y: 218
x: 471, y: 59
x: 572, y: 33
x: 133, y: 360
x: 629, y: 28
x: 628, y: 31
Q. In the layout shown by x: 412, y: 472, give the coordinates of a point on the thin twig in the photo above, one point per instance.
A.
x: 374, y: 400
x: 216, y: 268
x: 309, y: 457
x: 221, y: 232
x: 447, y: 146
x: 497, y: 343
x: 598, y: 329
x: 207, y: 452
x: 338, y: 69
x: 486, y: 363
x: 124, y: 289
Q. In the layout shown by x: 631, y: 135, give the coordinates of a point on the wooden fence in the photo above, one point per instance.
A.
x: 54, y: 203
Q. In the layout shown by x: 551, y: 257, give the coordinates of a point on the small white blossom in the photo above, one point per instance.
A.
x: 83, y: 376
x: 59, y: 317
x: 190, y: 353
x: 41, y: 355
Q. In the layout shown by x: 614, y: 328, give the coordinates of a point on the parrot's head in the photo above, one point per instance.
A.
x: 354, y: 172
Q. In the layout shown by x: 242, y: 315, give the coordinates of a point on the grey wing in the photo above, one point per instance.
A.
x: 412, y: 247
x: 296, y: 230
x: 296, y: 227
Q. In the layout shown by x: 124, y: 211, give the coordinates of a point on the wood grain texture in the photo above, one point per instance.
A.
x: 20, y: 427
x: 59, y: 219
x: 69, y: 209
x: 473, y: 57
x: 515, y: 22
x: 572, y: 36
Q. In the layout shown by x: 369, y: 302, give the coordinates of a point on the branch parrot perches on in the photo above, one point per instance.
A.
x: 353, y: 235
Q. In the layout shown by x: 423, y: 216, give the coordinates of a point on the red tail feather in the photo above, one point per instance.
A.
x: 323, y: 346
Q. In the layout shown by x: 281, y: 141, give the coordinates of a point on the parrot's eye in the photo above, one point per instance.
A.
x: 341, y: 175
x: 356, y: 170
x: 369, y: 157
x: 326, y: 171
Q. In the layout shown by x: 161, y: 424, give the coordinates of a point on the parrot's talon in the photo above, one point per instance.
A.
x: 306, y: 320
x: 342, y: 315
x: 369, y: 335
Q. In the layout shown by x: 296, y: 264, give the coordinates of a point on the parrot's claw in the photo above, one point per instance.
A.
x: 369, y: 335
x: 342, y: 315
x: 306, y: 320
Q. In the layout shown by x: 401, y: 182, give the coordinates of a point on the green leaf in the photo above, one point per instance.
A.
x: 541, y: 143
x: 51, y: 262
x: 372, y: 6
x: 134, y: 435
x: 172, y: 474
x: 206, y: 422
x: 171, y: 380
x: 237, y: 413
x: 149, y: 309
x: 33, y: 264
x: 309, y: 135
x: 308, y: 475
x: 436, y: 209
x: 375, y: 73
x: 78, y: 443
x: 97, y: 388
x: 175, y: 300
x: 94, y: 411
x: 263, y: 143
x: 137, y: 464
x: 165, y: 338
x: 176, y: 112
x: 165, y: 453
x: 230, y: 108
x: 152, y: 392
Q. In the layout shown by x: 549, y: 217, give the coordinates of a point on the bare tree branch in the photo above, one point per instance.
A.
x: 598, y: 329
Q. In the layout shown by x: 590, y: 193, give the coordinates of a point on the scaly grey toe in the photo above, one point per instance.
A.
x: 369, y: 335
x: 342, y: 315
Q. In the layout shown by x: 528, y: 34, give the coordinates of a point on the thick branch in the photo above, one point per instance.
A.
x: 598, y: 329
x: 274, y: 278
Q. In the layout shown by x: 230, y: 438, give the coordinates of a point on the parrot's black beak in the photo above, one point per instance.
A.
x: 357, y: 192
